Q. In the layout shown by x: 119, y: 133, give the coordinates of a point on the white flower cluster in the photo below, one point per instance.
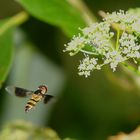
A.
x: 87, y: 65
x: 129, y: 46
x: 127, y: 20
x: 97, y: 34
x: 113, y: 58
x: 99, y: 37
x: 121, y: 17
x: 76, y: 44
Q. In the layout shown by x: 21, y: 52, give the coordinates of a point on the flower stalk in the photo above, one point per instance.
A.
x: 117, y: 40
x: 14, y: 21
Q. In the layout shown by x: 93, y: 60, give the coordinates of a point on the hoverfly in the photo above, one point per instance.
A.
x: 36, y: 96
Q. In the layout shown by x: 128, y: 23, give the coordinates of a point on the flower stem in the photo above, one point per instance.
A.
x: 85, y: 12
x: 88, y: 52
x: 115, y: 26
x: 117, y: 40
x: 14, y: 21
x: 133, y: 69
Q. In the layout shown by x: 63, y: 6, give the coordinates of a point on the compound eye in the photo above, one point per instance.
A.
x: 43, y: 87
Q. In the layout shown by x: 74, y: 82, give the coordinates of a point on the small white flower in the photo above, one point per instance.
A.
x: 99, y: 35
x: 129, y: 45
x: 122, y: 17
x: 136, y: 26
x: 113, y: 58
x: 76, y: 44
x: 87, y: 65
x: 113, y: 65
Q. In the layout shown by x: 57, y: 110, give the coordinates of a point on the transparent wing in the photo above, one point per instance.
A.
x: 20, y: 92
x: 47, y: 98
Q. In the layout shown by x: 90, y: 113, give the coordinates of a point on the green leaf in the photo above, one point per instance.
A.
x: 6, y: 53
x: 56, y: 12
x: 6, y: 42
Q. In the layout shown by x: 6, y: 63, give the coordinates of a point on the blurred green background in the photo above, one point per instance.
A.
x: 85, y: 108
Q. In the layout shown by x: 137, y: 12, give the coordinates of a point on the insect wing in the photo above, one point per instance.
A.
x: 20, y: 92
x: 47, y: 98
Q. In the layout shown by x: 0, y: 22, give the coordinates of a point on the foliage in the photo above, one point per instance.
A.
x: 7, y: 44
x: 69, y: 20
x: 6, y: 51
x: 58, y: 13
x: 114, y: 41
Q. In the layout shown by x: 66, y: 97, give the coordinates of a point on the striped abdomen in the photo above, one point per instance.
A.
x: 32, y: 102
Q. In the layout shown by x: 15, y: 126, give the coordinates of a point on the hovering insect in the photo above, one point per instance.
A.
x: 36, y: 96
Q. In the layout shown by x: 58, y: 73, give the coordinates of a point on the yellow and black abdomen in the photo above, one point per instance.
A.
x: 32, y: 102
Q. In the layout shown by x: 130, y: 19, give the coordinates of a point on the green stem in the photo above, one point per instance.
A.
x: 87, y: 52
x: 117, y: 40
x: 14, y: 21
x: 133, y: 69
x: 85, y: 12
